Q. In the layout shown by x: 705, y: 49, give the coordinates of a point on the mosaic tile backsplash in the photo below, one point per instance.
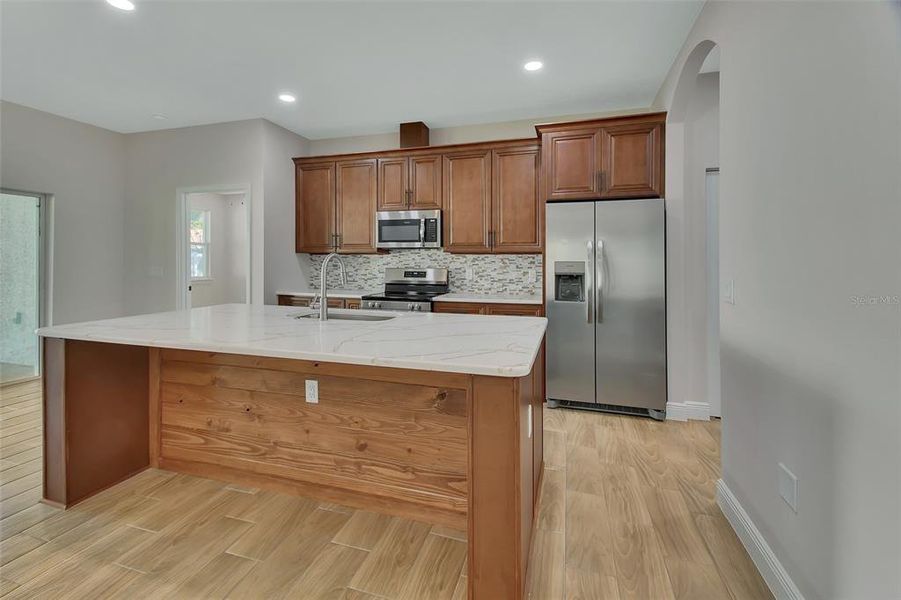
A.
x: 491, y: 273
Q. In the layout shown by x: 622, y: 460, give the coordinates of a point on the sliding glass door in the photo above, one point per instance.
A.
x: 20, y: 285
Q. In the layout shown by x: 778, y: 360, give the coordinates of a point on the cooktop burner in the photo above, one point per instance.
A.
x: 409, y: 289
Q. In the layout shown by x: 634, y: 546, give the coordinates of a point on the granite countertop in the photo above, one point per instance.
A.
x: 332, y: 293
x: 474, y: 344
x: 490, y: 298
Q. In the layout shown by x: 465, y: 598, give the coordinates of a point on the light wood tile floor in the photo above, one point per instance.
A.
x: 626, y: 511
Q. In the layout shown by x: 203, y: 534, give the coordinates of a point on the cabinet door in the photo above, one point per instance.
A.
x: 293, y: 300
x: 352, y: 303
x: 632, y: 160
x: 462, y: 308
x: 467, y: 201
x: 523, y: 310
x: 425, y: 182
x: 314, y: 208
x: 516, y: 201
x: 335, y: 303
x: 393, y: 187
x: 572, y: 164
x: 356, y: 205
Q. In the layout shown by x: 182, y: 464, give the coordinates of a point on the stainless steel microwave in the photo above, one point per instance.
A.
x: 408, y: 229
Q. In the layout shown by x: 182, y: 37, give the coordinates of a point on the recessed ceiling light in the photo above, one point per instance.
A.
x: 287, y: 98
x: 533, y: 65
x: 122, y: 4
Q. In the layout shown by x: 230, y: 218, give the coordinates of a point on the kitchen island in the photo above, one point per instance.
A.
x: 435, y: 417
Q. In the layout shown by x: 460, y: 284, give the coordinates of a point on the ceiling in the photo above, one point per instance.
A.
x: 356, y: 67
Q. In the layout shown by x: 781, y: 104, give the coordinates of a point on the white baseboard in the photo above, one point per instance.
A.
x: 688, y: 411
x: 770, y: 568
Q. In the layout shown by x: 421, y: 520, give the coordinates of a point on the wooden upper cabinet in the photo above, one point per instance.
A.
x: 516, y: 201
x: 314, y: 208
x: 355, y: 205
x: 410, y: 182
x: 393, y: 187
x: 467, y: 201
x: 632, y: 160
x: 572, y: 164
x: 620, y: 157
x: 425, y: 182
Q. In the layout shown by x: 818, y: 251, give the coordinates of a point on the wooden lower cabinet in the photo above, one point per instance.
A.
x: 288, y: 300
x: 489, y: 308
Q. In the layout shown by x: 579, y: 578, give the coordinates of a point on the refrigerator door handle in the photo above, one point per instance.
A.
x: 588, y: 287
x: 601, y: 279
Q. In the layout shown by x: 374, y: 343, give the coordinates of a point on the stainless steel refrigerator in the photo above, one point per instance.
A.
x: 606, y: 306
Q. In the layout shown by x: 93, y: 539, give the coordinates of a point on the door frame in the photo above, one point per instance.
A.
x: 712, y: 209
x: 183, y: 257
x: 44, y: 300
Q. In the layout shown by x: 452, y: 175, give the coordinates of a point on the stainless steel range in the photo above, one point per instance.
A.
x: 408, y: 290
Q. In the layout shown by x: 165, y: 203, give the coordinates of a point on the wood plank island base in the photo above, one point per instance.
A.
x: 447, y: 447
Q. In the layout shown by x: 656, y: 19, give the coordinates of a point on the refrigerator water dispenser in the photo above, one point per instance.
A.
x: 569, y: 281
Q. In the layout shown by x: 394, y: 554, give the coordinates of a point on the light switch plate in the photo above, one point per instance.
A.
x: 531, y: 277
x: 788, y: 487
x: 312, y: 391
x: 468, y: 272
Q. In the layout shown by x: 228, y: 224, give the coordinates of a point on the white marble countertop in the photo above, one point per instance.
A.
x: 336, y: 293
x: 490, y: 298
x: 480, y: 345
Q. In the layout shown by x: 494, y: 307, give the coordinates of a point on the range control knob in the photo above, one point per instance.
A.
x: 417, y: 307
x: 376, y: 304
x: 411, y: 306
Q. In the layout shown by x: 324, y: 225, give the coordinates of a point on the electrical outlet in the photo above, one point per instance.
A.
x: 530, y: 276
x: 729, y: 291
x: 788, y: 487
x: 468, y: 272
x: 312, y: 389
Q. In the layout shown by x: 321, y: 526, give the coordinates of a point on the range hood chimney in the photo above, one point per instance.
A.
x: 414, y: 134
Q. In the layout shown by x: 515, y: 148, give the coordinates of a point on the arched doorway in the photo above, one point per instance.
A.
x: 692, y: 165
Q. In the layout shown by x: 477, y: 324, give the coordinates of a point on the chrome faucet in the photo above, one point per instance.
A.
x: 323, y: 285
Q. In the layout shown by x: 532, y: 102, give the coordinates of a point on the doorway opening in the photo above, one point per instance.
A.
x: 20, y: 285
x: 693, y: 241
x: 214, y: 247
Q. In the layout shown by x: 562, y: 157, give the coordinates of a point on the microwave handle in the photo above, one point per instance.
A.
x: 421, y: 230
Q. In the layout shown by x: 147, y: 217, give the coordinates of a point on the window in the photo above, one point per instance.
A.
x: 200, y: 244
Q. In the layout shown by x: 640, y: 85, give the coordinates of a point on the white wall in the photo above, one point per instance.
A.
x: 228, y: 250
x: 484, y: 132
x: 686, y: 246
x: 157, y: 165
x: 810, y: 114
x: 284, y: 269
x: 83, y: 167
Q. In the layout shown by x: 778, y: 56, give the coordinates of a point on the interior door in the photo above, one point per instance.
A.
x: 630, y: 313
x: 569, y: 305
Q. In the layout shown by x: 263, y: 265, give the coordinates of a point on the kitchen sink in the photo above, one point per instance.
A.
x: 347, y: 317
